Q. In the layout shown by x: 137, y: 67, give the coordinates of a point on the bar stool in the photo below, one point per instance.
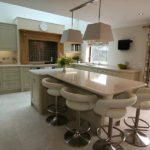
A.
x: 115, y: 108
x: 133, y: 135
x: 77, y: 137
x: 54, y: 87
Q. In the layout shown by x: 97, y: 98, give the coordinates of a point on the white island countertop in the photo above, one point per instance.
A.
x: 97, y: 83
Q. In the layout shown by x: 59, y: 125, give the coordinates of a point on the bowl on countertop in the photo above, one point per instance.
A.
x: 122, y: 66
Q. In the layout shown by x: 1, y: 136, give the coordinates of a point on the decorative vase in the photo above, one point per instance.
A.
x: 64, y: 68
x: 79, y: 61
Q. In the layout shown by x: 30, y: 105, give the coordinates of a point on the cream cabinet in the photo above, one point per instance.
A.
x: 8, y: 37
x: 10, y: 76
x: 34, y: 89
x: 25, y: 78
x: 67, y: 48
x: 103, y: 71
x: 9, y: 79
x: 7, y: 85
x: 126, y: 74
x: 0, y: 81
x: 120, y: 74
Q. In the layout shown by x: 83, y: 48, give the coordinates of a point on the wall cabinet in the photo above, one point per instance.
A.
x: 8, y: 37
x: 68, y: 48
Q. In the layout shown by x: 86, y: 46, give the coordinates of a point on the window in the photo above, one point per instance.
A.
x: 99, y: 54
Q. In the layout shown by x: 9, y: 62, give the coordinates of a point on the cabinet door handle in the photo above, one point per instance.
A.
x: 11, y: 84
x: 34, y: 80
x: 10, y: 70
x: 11, y: 76
x: 28, y: 79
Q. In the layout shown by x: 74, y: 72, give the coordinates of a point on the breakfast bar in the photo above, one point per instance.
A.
x: 104, y: 86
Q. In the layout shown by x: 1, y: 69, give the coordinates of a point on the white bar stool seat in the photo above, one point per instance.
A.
x: 114, y: 108
x: 54, y: 86
x: 133, y: 135
x: 78, y: 102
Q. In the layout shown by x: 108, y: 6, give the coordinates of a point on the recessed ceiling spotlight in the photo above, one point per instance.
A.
x: 141, y: 14
x: 107, y: 21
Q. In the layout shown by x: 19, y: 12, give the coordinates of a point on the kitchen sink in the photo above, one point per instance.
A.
x: 90, y: 65
x: 39, y: 64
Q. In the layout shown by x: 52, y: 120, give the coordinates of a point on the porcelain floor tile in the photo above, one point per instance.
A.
x: 22, y: 128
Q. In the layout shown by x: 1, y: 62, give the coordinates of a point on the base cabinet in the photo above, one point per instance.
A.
x: 126, y: 75
x: 0, y: 81
x: 34, y: 89
x: 26, y: 80
x: 9, y: 79
x: 120, y: 75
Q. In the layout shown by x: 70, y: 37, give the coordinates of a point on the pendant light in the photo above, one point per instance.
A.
x: 71, y: 36
x: 98, y: 32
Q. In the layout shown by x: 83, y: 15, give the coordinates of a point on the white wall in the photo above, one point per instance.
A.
x: 9, y: 12
x: 81, y: 25
x: 137, y: 50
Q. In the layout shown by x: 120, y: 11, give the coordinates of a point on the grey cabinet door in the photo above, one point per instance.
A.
x: 8, y: 37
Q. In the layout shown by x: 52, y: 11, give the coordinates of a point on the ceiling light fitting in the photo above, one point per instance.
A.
x: 83, y: 5
x: 141, y: 14
x: 71, y: 36
x: 98, y: 32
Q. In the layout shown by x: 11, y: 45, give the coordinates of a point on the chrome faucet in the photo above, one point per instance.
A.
x: 93, y: 58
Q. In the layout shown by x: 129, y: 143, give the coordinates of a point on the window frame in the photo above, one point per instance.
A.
x: 90, y: 51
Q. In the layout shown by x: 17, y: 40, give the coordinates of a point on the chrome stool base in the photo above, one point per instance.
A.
x: 140, y: 128
x: 76, y: 137
x: 109, y: 143
x: 77, y: 140
x: 102, y: 145
x: 136, y: 138
x: 59, y: 108
x: 56, y: 120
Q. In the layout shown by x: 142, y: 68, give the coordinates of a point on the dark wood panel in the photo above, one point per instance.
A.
x: 26, y: 35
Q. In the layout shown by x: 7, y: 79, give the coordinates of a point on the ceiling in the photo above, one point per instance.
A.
x: 120, y: 13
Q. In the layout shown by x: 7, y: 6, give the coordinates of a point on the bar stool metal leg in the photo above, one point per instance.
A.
x: 77, y: 138
x: 56, y: 120
x: 107, y: 144
x: 134, y: 136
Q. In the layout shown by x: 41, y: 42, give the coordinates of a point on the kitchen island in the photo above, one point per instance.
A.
x: 104, y: 86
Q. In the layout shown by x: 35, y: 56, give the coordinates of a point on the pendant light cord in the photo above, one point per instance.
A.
x: 99, y: 10
x: 72, y: 20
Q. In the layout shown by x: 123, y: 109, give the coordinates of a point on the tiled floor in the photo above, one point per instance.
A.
x: 22, y: 128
